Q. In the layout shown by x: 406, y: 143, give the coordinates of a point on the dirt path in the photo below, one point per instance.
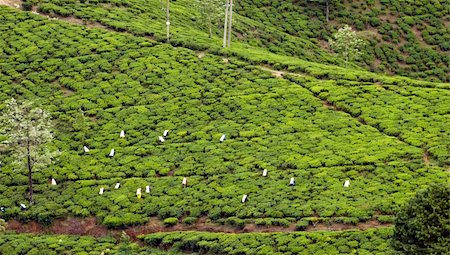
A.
x: 277, y: 73
x: 89, y: 226
x: 11, y: 3
x: 427, y: 158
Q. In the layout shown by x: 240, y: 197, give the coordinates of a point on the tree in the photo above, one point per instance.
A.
x: 346, y: 43
x: 228, y: 23
x: 28, y: 132
x: 422, y: 225
x: 327, y: 7
x: 327, y: 11
x: 168, y: 19
x: 210, y: 11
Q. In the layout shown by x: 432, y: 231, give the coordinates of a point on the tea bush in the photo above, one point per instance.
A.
x: 343, y: 242
x: 11, y: 243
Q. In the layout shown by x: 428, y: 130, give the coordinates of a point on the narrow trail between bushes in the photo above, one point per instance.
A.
x: 89, y: 227
x: 11, y: 3
x: 427, y: 158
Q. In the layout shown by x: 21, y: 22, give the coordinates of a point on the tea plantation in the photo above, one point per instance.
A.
x: 323, y: 243
x: 227, y: 119
x: 63, y: 244
x: 402, y: 37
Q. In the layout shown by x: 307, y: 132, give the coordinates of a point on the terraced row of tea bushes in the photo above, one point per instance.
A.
x: 416, y: 115
x: 367, y: 242
x: 148, y: 89
x: 408, y: 59
x: 405, y: 38
x: 260, y: 56
x: 30, y: 244
x: 318, y: 192
x: 321, y: 71
x: 147, y: 18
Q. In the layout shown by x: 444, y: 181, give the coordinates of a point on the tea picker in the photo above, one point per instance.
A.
x: 347, y: 183
x: 138, y: 193
x: 292, y: 182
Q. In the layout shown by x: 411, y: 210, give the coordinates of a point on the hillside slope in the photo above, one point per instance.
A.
x: 409, y: 38
x: 404, y: 38
x: 98, y: 83
x: 320, y: 124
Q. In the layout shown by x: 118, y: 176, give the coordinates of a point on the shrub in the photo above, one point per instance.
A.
x: 386, y: 218
x: 236, y: 222
x: 422, y: 225
x: 190, y: 220
x: 26, y: 6
x: 172, y: 221
x: 302, y: 225
x: 280, y: 222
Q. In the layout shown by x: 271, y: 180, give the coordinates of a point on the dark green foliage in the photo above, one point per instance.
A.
x: 371, y: 242
x: 27, y: 6
x: 402, y: 41
x: 422, y: 225
x: 190, y: 220
x: 407, y: 38
x: 11, y: 244
x: 302, y: 225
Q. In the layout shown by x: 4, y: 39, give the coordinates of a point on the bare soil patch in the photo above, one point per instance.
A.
x: 11, y: 3
x: 78, y: 226
x: 277, y: 73
x: 201, y: 54
x: 426, y: 158
x: 388, y: 17
x: 328, y: 105
x: 342, y: 226
x: 66, y: 91
x: 29, y: 227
